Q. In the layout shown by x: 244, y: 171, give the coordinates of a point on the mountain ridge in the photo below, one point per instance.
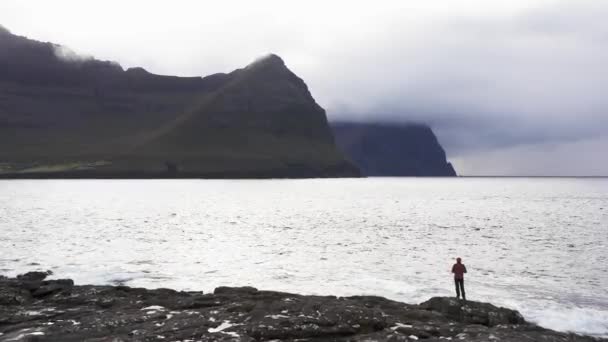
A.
x: 64, y: 115
x: 92, y: 118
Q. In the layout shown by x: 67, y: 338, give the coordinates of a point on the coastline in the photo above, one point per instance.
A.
x: 263, y: 174
x: 35, y: 309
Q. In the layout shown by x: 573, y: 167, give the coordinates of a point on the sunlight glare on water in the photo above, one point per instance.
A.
x: 537, y: 245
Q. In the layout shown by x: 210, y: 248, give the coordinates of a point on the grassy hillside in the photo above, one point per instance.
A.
x: 92, y: 118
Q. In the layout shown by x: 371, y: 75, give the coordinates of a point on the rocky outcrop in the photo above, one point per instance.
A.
x: 34, y: 309
x: 393, y: 149
x: 63, y: 115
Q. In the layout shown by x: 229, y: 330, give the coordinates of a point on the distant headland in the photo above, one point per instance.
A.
x: 66, y: 116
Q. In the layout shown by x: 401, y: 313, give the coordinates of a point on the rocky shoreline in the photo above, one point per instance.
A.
x: 35, y: 309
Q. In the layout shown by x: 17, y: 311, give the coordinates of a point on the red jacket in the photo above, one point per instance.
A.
x: 459, y: 270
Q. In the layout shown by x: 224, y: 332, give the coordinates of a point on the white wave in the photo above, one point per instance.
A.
x: 577, y: 320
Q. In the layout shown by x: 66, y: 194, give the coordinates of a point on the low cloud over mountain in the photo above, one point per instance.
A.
x: 510, y: 88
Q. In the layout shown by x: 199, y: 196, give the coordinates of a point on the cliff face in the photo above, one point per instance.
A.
x: 68, y: 116
x: 393, y: 149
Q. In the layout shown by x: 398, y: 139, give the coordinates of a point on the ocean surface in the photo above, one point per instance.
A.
x: 538, y: 245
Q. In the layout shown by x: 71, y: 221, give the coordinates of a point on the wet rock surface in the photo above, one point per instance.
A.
x: 35, y: 309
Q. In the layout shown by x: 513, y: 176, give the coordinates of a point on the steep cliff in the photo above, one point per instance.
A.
x: 393, y: 149
x: 68, y: 116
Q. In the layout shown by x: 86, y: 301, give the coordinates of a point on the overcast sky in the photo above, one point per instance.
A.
x: 510, y: 87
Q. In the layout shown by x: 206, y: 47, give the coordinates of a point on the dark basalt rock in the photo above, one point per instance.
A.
x: 51, y: 287
x: 121, y: 313
x: 33, y: 276
x: 473, y: 312
x: 235, y: 290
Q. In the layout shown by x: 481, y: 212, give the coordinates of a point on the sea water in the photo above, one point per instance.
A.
x: 538, y: 245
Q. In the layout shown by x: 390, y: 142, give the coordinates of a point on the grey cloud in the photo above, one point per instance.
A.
x: 490, y: 78
x: 555, y: 159
x: 67, y: 54
x: 536, y: 78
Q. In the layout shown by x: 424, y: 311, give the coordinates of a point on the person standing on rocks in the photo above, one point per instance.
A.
x: 459, y: 270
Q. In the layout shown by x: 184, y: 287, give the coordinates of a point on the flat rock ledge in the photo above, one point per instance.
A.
x: 35, y: 309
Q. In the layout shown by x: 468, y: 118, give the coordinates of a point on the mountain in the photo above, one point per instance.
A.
x: 392, y: 149
x: 64, y: 115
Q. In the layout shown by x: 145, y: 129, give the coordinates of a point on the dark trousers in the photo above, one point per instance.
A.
x: 460, y: 288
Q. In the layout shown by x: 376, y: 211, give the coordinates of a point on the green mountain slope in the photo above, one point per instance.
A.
x: 87, y: 118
